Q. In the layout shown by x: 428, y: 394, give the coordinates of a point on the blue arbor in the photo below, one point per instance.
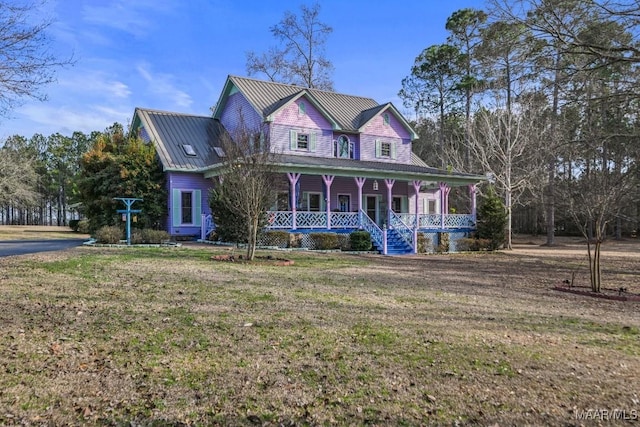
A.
x: 128, y: 202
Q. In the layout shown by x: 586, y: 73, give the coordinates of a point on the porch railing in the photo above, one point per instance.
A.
x: 435, y: 220
x: 206, y: 226
x: 403, y: 230
x: 374, y: 231
x: 305, y: 219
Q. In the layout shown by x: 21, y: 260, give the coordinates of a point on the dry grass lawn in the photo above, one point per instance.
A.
x: 107, y: 336
x: 29, y: 232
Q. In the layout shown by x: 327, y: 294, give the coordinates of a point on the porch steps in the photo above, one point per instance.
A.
x: 395, y: 244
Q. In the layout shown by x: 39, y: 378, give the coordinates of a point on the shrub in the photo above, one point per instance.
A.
x: 424, y: 243
x: 344, y: 243
x: 148, y: 236
x: 324, y: 241
x: 360, y: 241
x: 277, y: 238
x: 109, y: 234
x: 443, y: 242
x: 73, y: 224
x: 467, y: 244
x: 83, y: 226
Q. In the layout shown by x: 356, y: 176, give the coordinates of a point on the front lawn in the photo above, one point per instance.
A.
x: 165, y: 336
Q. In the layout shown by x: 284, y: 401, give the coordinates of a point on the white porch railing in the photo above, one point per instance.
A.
x: 400, y: 227
x: 435, y: 220
x: 377, y: 235
x: 305, y: 219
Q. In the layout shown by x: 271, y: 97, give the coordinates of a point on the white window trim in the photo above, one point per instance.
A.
x: 338, y: 201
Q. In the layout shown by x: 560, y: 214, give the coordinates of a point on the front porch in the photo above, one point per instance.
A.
x: 392, y: 202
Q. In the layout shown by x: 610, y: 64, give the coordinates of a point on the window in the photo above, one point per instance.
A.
x: 314, y: 202
x: 188, y: 150
x: 282, y: 201
x: 385, y: 149
x: 303, y: 141
x: 396, y: 204
x: 219, y: 151
x: 343, y: 148
x: 302, y: 109
x: 386, y: 120
x: 429, y: 206
x: 344, y: 202
x: 186, y: 206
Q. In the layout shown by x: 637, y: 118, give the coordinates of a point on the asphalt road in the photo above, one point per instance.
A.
x: 22, y: 247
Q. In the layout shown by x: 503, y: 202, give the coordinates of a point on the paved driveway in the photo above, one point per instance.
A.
x: 21, y: 247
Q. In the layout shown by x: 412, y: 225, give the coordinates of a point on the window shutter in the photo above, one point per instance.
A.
x: 393, y: 150
x: 404, y: 204
x: 293, y: 141
x: 312, y: 142
x: 176, y: 207
x: 197, y: 208
x: 378, y: 148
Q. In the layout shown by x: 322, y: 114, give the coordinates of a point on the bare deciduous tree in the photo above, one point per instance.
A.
x: 26, y: 61
x: 248, y: 183
x: 300, y: 59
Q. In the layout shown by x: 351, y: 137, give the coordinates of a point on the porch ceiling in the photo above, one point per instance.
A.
x: 308, y: 165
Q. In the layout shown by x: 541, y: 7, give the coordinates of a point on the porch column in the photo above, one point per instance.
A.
x: 389, y: 183
x: 416, y: 224
x: 416, y: 188
x: 328, y: 179
x: 473, y: 191
x: 360, y: 183
x: 293, y: 181
x: 444, y: 201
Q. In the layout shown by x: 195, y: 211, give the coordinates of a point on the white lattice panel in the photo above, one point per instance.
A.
x: 430, y: 221
x: 280, y: 219
x: 458, y: 221
x: 345, y: 220
x: 311, y: 219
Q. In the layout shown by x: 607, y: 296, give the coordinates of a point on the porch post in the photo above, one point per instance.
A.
x: 328, y: 179
x: 416, y: 224
x: 444, y: 202
x: 293, y: 180
x: 389, y: 183
x: 473, y: 191
x: 416, y: 188
x: 360, y: 183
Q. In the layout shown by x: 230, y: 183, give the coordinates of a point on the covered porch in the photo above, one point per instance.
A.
x: 392, y: 202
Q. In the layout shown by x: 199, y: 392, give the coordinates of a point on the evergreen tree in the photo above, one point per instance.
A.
x: 121, y: 166
x: 492, y: 219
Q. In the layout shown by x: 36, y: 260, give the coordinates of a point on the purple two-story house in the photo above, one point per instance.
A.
x: 347, y: 160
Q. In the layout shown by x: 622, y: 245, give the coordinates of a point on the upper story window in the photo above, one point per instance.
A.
x: 302, y: 109
x: 385, y: 149
x: 386, y: 119
x: 302, y: 141
x: 343, y: 148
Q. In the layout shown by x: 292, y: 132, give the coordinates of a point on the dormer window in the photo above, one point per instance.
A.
x: 386, y: 119
x: 188, y: 150
x: 302, y: 109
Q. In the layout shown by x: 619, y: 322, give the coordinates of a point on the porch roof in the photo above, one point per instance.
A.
x: 309, y: 165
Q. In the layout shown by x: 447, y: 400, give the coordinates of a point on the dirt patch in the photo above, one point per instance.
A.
x: 264, y: 260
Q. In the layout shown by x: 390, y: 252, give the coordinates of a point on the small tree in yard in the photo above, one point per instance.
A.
x: 492, y: 219
x: 247, y: 186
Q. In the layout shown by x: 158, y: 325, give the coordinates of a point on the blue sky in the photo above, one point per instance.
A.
x: 175, y: 55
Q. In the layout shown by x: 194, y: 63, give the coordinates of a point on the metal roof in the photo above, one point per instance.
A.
x: 267, y: 97
x: 170, y: 131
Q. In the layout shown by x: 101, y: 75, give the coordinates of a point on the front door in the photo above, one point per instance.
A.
x: 372, y: 208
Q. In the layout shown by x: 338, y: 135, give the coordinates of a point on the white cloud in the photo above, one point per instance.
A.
x: 127, y: 16
x: 162, y: 85
x: 49, y: 119
x: 95, y: 82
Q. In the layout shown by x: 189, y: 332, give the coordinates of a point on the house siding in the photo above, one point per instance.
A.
x: 187, y: 182
x: 239, y: 112
x: 393, y: 132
